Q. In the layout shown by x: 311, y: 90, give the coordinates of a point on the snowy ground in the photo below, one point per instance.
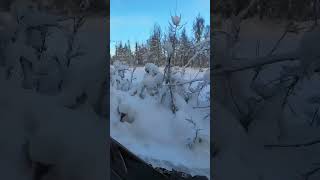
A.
x: 243, y: 151
x: 160, y: 137
x: 44, y: 117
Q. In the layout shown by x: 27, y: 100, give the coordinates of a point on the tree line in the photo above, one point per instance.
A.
x: 153, y: 50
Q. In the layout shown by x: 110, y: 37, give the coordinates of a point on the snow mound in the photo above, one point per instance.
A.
x: 127, y: 113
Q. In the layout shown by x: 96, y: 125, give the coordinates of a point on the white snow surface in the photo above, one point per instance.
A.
x: 157, y: 135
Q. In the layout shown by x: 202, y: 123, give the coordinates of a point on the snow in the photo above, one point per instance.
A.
x: 57, y: 134
x: 157, y: 135
x: 128, y: 111
x: 7, y: 26
x: 151, y: 68
x: 48, y: 125
x: 242, y: 151
x: 206, y: 75
x: 49, y: 95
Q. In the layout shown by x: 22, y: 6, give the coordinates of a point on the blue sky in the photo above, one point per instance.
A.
x: 134, y: 19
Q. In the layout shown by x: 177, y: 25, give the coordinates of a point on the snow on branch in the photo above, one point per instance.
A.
x: 201, y: 48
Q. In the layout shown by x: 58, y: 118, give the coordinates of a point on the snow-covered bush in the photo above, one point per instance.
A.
x: 117, y: 76
x: 152, y: 79
x: 179, y: 91
x: 42, y: 66
x: 29, y: 34
x: 151, y: 82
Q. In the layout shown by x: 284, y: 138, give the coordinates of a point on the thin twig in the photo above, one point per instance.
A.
x: 315, y: 115
x: 232, y: 96
x: 116, y: 174
x: 310, y: 173
x: 311, y: 143
x: 278, y: 42
x: 290, y: 90
x: 197, y: 107
x: 258, y: 62
x: 206, y: 116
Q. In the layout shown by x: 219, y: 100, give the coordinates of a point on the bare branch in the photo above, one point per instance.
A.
x: 307, y: 144
x: 201, y: 107
x: 310, y: 173
x: 249, y: 63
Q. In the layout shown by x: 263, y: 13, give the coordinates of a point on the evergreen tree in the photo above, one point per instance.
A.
x: 173, y: 38
x: 153, y: 50
x: 136, y: 54
x: 154, y: 43
x: 183, y: 49
x: 207, y: 32
x: 198, y: 28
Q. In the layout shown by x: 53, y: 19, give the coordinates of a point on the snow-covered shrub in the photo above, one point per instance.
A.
x: 178, y: 82
x: 118, y: 78
x: 153, y: 78
x: 178, y: 92
x: 22, y: 22
x: 171, y: 98
x: 151, y: 83
x: 41, y: 66
x: 203, y: 83
x: 49, y: 76
x: 191, y: 142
